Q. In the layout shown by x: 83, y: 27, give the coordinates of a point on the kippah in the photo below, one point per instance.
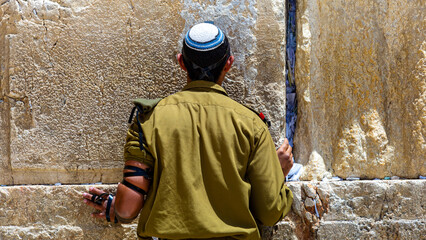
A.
x: 205, y: 51
x: 204, y: 37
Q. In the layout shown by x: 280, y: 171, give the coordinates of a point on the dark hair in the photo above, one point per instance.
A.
x: 206, y: 65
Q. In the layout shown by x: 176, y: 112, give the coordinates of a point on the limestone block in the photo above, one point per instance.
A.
x: 5, y: 167
x: 42, y: 232
x: 360, y: 76
x: 70, y: 69
x: 377, y: 200
x: 282, y: 230
x: 358, y: 210
x: 54, y: 212
x: 347, y: 210
x: 382, y: 230
x: 315, y: 168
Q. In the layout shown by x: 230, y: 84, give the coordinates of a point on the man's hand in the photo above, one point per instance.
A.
x: 102, y: 208
x: 285, y: 156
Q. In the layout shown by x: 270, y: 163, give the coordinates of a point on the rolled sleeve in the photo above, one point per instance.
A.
x: 270, y: 198
x: 132, y: 149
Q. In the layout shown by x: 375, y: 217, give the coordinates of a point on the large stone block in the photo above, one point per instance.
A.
x: 381, y: 230
x: 346, y: 210
x: 71, y: 68
x: 54, y: 212
x: 355, y: 210
x: 361, y: 87
x: 5, y: 168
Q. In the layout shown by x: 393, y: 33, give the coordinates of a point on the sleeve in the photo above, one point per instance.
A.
x: 270, y: 198
x: 132, y: 150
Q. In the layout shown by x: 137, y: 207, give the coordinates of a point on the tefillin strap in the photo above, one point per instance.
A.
x: 108, y: 208
x: 141, y: 137
x: 206, y: 71
x: 137, y: 172
x: 140, y: 132
x: 99, y: 199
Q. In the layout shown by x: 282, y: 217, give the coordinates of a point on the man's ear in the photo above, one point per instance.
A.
x: 180, y: 60
x: 228, y: 64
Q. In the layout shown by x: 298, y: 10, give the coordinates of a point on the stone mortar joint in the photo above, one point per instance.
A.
x: 315, y: 203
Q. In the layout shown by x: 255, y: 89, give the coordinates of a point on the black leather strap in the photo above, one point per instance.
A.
x: 141, y: 137
x: 110, y: 198
x: 98, y: 199
x: 133, y: 187
x: 138, y: 172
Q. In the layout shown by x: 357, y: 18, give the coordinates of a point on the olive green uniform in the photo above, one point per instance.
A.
x: 216, y: 173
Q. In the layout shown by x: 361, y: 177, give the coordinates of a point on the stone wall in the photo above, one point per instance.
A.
x: 361, y: 88
x: 71, y: 68
x: 346, y: 210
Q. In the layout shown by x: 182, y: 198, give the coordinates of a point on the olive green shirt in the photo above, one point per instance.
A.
x: 216, y: 173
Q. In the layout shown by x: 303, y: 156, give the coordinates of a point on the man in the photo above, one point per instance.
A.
x: 198, y: 164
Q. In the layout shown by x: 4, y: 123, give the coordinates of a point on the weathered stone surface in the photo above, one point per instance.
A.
x: 377, y: 200
x: 361, y: 87
x: 5, y: 168
x: 70, y: 69
x: 54, y: 212
x: 388, y: 229
x: 315, y: 168
x: 42, y: 232
x: 346, y: 210
x: 357, y: 210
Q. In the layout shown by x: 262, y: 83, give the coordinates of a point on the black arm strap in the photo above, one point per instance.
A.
x: 133, y: 187
x: 138, y: 172
x: 108, y: 208
x: 98, y: 199
x: 140, y: 132
x: 141, y: 136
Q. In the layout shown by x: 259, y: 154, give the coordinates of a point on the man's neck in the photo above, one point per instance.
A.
x: 219, y: 81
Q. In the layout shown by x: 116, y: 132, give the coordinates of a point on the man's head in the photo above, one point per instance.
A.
x: 206, y: 54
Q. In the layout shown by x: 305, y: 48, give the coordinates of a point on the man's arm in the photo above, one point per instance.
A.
x: 270, y: 198
x: 128, y: 202
x: 130, y: 199
x: 130, y: 195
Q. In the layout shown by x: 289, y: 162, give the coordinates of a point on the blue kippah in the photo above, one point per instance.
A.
x: 204, y: 37
x: 205, y: 51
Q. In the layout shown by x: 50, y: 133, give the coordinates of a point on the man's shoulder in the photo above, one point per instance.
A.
x: 213, y: 99
x: 206, y: 99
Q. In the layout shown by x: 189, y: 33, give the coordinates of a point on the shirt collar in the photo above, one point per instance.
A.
x: 205, y: 84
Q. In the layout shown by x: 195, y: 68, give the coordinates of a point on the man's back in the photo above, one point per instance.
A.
x: 200, y: 165
x: 215, y: 170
